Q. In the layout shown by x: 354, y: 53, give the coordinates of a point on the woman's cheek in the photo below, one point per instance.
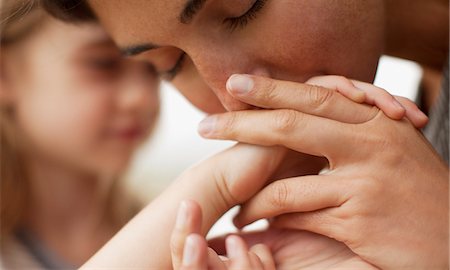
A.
x: 310, y: 46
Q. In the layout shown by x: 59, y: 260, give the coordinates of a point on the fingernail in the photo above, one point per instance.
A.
x: 240, y: 84
x: 207, y: 126
x: 182, y: 216
x: 423, y: 115
x: 398, y: 105
x: 190, y: 253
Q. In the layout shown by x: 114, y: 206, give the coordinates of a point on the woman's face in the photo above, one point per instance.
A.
x: 284, y: 39
x: 76, y: 101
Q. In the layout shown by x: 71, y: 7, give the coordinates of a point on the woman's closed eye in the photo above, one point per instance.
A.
x: 244, y: 19
x: 170, y: 74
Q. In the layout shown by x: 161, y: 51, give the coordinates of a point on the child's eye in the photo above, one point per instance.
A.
x: 104, y: 64
x: 243, y: 20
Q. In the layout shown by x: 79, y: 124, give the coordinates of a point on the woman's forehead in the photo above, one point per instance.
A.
x: 157, y: 12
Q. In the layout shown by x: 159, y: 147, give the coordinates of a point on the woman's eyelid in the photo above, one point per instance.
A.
x: 170, y: 74
x: 250, y: 14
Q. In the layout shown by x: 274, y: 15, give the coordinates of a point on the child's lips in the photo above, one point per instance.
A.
x: 129, y: 133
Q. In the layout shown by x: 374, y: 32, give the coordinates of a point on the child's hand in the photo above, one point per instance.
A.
x: 190, y: 249
x: 394, y: 107
x: 217, y: 184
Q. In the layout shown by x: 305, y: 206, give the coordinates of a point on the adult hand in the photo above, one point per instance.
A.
x: 295, y: 249
x: 386, y: 193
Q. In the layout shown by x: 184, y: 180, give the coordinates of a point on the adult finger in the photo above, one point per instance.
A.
x: 310, y: 99
x: 325, y: 222
x: 195, y: 254
x: 295, y: 130
x: 189, y: 220
x: 300, y: 194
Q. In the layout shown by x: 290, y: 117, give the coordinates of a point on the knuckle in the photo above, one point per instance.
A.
x: 280, y: 194
x: 229, y: 124
x: 227, y: 190
x: 268, y: 90
x: 369, y: 187
x: 342, y: 79
x: 350, y: 225
x: 356, y: 231
x: 346, y: 82
x: 372, y: 113
x: 319, y: 97
x: 286, y: 120
x: 407, y: 102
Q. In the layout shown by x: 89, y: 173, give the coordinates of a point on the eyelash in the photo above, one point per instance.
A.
x: 242, y: 21
x: 170, y: 74
x: 233, y: 23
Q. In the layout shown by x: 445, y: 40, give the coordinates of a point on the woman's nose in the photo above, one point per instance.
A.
x: 228, y: 101
x: 216, y: 74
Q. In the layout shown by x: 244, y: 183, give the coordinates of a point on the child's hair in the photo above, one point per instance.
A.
x: 18, y: 19
x: 69, y: 10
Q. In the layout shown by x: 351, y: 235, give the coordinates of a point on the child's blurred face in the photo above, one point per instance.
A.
x: 284, y: 39
x: 77, y: 101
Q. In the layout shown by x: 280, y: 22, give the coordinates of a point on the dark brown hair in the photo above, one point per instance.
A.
x: 69, y: 10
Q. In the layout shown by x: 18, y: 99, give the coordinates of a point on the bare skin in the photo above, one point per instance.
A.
x: 305, y: 48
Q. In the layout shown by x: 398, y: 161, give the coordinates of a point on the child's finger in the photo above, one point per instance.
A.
x: 215, y: 262
x: 393, y: 106
x: 413, y: 113
x: 189, y: 220
x: 390, y: 105
x: 255, y: 261
x: 195, y: 253
x: 264, y: 254
x: 237, y: 252
x: 340, y: 84
x: 382, y: 99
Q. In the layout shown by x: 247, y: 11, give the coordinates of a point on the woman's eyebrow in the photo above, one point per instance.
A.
x: 191, y: 8
x: 137, y: 49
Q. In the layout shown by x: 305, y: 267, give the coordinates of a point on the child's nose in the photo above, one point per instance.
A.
x: 135, y: 98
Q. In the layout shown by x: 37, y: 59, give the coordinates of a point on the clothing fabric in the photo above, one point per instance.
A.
x: 26, y: 252
x: 437, y: 130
